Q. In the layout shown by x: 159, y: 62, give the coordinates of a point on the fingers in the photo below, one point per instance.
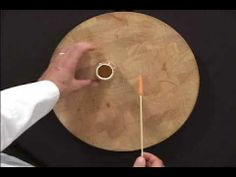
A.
x: 152, y: 160
x: 84, y: 83
x: 81, y: 46
x: 76, y: 51
x: 69, y: 57
x: 148, y: 160
x: 140, y: 162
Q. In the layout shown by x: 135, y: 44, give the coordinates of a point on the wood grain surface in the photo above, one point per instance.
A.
x: 107, y: 116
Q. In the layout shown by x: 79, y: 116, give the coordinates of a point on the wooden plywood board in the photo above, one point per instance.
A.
x: 107, y: 116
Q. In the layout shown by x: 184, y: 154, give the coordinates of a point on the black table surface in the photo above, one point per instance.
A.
x: 208, y: 138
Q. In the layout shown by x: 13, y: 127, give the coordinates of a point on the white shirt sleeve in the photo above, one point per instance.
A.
x: 24, y: 105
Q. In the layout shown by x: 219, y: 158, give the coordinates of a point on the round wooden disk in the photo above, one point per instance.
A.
x: 107, y: 116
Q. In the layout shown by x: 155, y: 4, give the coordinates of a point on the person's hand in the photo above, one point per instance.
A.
x: 148, y: 160
x: 62, y: 68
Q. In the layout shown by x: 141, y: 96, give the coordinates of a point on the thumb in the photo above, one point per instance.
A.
x: 140, y: 162
x: 82, y: 83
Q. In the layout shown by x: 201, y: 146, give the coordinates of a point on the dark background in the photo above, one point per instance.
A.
x: 208, y: 138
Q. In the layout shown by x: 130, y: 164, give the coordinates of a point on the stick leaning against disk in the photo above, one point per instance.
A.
x: 141, y: 111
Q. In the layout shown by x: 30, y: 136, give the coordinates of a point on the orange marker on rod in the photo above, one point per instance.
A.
x: 140, y: 84
x: 141, y: 111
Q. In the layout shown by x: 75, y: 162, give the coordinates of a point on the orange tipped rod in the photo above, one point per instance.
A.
x: 140, y: 84
x: 141, y: 111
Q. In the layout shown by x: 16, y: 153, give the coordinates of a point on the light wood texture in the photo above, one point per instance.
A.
x: 107, y: 116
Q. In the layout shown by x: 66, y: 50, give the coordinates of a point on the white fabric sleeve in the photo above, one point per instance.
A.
x: 24, y: 105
